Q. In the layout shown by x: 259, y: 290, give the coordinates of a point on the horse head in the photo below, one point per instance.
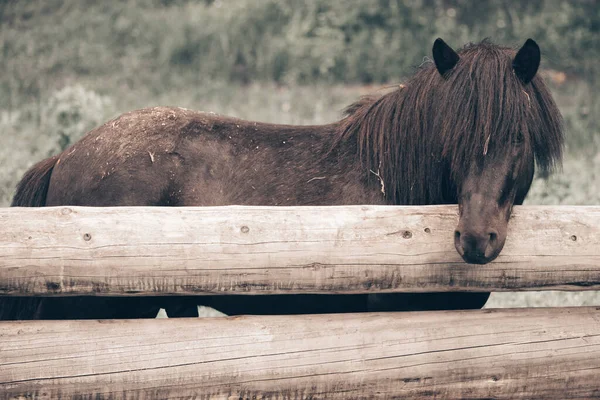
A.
x: 507, y: 120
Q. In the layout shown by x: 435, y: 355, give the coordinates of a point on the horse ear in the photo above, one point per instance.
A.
x: 445, y: 58
x: 527, y: 61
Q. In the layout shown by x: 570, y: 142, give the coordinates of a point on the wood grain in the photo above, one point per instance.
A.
x: 260, y: 250
x: 502, y: 354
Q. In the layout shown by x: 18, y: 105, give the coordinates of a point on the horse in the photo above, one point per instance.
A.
x: 467, y: 128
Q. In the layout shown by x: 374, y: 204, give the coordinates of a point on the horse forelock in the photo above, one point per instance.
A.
x: 432, y: 129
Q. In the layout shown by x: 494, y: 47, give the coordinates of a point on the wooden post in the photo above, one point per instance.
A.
x: 260, y: 250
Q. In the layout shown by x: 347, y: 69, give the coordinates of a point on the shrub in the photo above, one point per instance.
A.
x: 70, y: 113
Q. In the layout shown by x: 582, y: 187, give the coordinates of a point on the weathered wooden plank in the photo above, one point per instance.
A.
x: 539, y: 353
x: 259, y: 250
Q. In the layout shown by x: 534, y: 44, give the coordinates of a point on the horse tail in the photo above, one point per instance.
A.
x: 33, y: 187
x: 31, y: 192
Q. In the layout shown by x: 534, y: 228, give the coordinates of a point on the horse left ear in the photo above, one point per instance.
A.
x: 444, y: 56
x: 527, y: 61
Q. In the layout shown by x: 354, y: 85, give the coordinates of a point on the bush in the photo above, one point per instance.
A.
x: 30, y: 135
x: 70, y: 113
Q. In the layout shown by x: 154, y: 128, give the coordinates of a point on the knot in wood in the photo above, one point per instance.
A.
x: 245, y: 229
x: 407, y: 234
x: 87, y: 237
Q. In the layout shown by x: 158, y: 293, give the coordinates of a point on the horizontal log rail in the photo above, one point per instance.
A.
x: 126, y: 251
x: 541, y: 353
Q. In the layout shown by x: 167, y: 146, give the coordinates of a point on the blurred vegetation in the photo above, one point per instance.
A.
x: 276, y: 40
x: 69, y: 65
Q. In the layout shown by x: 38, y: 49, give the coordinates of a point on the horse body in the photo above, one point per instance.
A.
x: 166, y: 156
x: 468, y: 129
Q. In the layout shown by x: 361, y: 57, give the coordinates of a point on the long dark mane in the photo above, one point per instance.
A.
x: 433, y: 128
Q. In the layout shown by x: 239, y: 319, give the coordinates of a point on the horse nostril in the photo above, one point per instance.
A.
x: 458, y: 244
x: 457, y: 236
x: 492, y: 244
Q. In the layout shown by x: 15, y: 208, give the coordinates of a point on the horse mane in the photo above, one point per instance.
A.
x: 432, y: 129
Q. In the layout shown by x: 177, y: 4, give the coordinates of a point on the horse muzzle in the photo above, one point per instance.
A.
x: 478, y: 246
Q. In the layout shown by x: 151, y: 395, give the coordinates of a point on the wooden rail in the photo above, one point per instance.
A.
x: 259, y: 250
x: 501, y: 354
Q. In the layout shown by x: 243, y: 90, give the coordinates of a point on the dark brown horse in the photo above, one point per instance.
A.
x: 467, y: 128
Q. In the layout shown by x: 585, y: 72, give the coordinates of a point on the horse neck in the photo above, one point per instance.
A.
x: 398, y: 162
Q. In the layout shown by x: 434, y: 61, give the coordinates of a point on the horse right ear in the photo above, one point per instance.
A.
x: 527, y: 61
x: 445, y: 58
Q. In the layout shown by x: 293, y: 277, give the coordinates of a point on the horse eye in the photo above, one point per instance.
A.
x: 518, y: 139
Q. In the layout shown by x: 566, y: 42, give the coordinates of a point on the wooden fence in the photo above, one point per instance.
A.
x: 510, y: 353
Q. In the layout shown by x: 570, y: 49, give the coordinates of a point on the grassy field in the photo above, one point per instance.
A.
x: 69, y: 66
